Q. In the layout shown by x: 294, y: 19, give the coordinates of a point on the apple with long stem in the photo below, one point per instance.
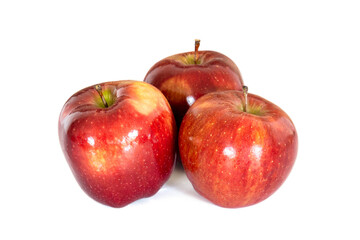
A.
x: 185, y: 77
x: 236, y: 148
x: 119, y: 140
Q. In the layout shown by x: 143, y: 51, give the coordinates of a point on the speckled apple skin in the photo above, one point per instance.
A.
x: 182, y: 84
x: 234, y: 158
x: 121, y: 153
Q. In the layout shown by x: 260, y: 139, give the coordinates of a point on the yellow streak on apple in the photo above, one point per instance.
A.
x: 176, y: 89
x: 205, y: 105
x: 254, y: 157
x: 97, y: 160
x: 144, y: 103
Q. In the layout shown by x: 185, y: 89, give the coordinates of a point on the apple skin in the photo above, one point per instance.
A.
x: 235, y: 158
x: 124, y: 152
x: 183, y: 82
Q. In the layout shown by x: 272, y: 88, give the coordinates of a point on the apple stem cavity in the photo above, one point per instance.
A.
x: 245, y: 90
x: 99, y: 91
x: 197, y: 44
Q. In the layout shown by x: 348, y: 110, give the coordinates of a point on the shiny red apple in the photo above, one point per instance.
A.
x: 119, y: 140
x: 236, y: 154
x: 185, y: 77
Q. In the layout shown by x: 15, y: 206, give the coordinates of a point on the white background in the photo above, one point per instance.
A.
x: 302, y: 55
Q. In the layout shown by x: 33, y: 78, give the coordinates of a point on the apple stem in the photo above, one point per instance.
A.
x: 99, y: 91
x: 197, y: 44
x: 245, y: 90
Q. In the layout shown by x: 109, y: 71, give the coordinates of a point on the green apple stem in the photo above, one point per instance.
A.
x: 99, y: 91
x: 197, y: 44
x: 245, y: 90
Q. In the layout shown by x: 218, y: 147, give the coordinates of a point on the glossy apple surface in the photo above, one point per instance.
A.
x: 183, y: 80
x: 122, y: 152
x: 236, y: 158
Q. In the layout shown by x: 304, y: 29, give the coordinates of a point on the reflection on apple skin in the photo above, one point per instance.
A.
x: 229, y: 152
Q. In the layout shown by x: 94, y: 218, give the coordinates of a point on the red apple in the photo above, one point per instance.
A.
x: 185, y: 77
x: 119, y: 140
x: 236, y: 154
